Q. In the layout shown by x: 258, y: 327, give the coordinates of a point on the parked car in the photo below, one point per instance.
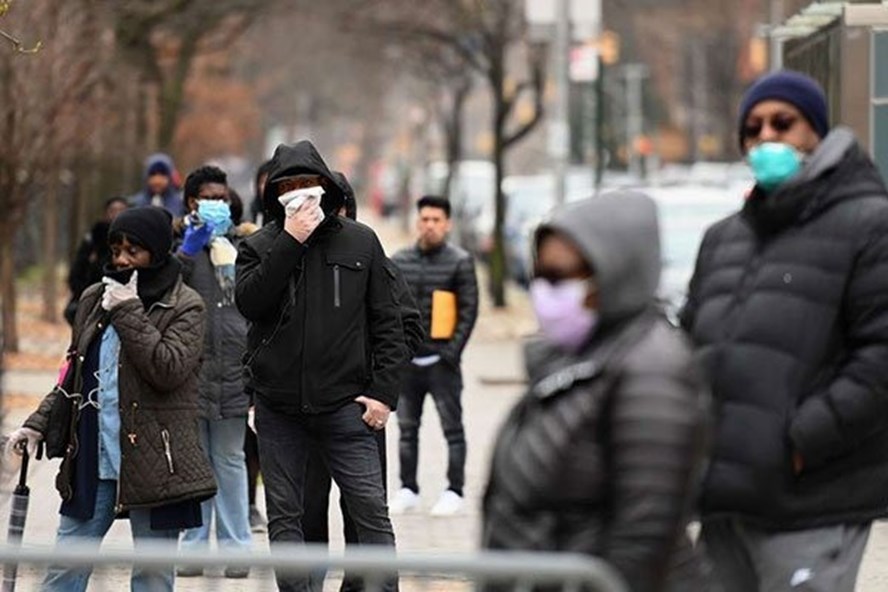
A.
x: 686, y: 211
x: 530, y: 197
x: 685, y: 214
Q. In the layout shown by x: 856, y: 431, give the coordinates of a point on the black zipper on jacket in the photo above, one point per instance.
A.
x: 337, y: 298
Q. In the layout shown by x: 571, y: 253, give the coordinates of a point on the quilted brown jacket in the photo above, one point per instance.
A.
x: 162, y: 461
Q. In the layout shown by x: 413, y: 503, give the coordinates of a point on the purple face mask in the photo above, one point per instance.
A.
x: 562, y: 314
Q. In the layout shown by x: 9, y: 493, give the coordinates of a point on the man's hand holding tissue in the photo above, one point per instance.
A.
x: 303, y: 212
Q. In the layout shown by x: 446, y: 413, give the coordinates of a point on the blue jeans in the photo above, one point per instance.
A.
x: 349, y: 449
x: 82, y: 533
x: 223, y: 441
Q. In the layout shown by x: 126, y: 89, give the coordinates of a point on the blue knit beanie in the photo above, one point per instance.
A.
x: 801, y: 91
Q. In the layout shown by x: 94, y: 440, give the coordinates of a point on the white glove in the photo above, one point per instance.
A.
x: 30, y: 436
x: 251, y: 419
x: 117, y: 293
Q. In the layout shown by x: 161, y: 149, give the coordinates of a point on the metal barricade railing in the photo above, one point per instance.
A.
x: 515, y: 572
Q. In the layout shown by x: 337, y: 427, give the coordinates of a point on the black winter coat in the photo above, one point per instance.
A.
x: 445, y: 268
x: 222, y: 391
x: 312, y: 308
x: 603, y: 453
x: 789, y: 307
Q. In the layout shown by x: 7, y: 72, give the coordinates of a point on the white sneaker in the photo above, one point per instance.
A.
x: 449, y: 504
x: 404, y: 501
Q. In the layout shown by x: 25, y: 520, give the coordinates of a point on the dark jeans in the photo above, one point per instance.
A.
x: 315, y: 523
x: 444, y: 382
x: 251, y: 450
x: 348, y: 448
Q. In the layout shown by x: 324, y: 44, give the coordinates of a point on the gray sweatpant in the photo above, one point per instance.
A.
x: 747, y: 559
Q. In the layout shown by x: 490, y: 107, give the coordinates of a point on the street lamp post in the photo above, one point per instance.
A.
x: 560, y: 132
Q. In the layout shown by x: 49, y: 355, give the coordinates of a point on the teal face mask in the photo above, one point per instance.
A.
x: 774, y: 163
x: 217, y: 213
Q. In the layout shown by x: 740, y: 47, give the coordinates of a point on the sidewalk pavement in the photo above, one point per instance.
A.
x: 485, y: 407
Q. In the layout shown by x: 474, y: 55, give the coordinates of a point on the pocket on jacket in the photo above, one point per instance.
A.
x: 348, y: 277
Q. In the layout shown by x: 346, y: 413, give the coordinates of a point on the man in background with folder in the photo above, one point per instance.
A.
x: 442, y: 279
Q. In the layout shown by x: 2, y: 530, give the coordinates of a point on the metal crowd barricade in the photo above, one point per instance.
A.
x: 440, y: 572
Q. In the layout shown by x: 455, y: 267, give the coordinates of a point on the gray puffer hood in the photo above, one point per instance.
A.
x: 619, y: 236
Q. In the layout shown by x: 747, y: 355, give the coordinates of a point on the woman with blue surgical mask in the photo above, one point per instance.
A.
x: 601, y: 455
x: 208, y: 253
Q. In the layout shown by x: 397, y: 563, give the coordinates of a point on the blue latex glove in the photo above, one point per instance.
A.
x: 196, y: 238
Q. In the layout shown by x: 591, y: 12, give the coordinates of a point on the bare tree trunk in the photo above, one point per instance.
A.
x: 172, y: 94
x: 50, y: 249
x: 498, y: 254
x: 7, y: 281
x: 453, y: 131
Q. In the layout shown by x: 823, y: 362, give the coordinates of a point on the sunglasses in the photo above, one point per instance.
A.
x: 556, y: 276
x: 780, y: 123
x: 288, y: 184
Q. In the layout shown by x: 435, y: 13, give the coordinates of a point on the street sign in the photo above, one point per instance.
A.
x: 585, y: 17
x: 584, y: 64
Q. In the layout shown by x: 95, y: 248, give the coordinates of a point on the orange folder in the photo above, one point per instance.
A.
x: 443, y: 314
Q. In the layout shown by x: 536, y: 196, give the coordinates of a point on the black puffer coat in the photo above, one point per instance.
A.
x: 602, y: 455
x: 789, y: 307
x: 444, y: 268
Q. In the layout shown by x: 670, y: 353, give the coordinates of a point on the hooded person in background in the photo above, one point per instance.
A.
x: 788, y: 306
x: 602, y: 454
x: 127, y: 427
x: 92, y: 256
x: 251, y: 445
x: 257, y: 211
x: 208, y: 254
x: 160, y: 189
x: 325, y: 348
x: 315, y: 523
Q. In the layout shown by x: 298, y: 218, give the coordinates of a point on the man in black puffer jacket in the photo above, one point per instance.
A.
x: 442, y: 278
x: 789, y: 308
x: 316, y: 289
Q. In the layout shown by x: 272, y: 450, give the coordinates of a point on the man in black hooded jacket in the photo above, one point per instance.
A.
x: 316, y: 289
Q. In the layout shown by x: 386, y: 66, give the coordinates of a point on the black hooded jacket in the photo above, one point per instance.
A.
x: 316, y: 307
x: 789, y: 308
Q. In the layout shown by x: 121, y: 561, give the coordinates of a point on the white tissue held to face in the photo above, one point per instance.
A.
x: 308, y: 197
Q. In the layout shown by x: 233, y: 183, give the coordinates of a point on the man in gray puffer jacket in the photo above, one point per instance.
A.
x: 602, y: 454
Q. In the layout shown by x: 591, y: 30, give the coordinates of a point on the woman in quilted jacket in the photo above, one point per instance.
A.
x: 124, y: 417
x: 601, y: 455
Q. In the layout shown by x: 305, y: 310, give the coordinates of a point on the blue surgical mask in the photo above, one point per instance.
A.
x: 217, y: 213
x: 774, y: 163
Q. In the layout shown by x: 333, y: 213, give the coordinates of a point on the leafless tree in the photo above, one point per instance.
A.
x: 161, y: 38
x: 484, y: 34
x: 40, y: 95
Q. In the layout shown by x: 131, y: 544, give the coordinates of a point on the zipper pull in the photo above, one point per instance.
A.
x: 132, y: 438
x: 165, y: 436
